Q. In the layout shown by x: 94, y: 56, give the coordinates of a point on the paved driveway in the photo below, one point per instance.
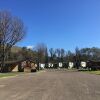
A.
x: 51, y: 85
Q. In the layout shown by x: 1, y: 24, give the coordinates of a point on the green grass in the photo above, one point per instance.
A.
x: 2, y: 75
x: 93, y: 72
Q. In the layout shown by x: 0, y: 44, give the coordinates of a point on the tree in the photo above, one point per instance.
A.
x: 70, y: 56
x: 12, y: 30
x: 58, y: 54
x: 90, y: 53
x: 62, y: 55
x: 77, y: 58
x: 46, y: 57
x: 41, y: 50
x: 0, y: 46
x: 52, y: 54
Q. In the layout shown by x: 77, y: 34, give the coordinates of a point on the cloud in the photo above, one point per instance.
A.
x: 30, y: 47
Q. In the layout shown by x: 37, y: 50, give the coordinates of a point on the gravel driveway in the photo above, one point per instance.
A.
x: 51, y: 85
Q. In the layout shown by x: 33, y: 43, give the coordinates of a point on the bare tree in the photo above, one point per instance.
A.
x: 12, y: 30
x: 70, y: 56
x: 46, y: 58
x: 0, y: 45
x: 41, y: 53
x: 62, y: 55
x: 58, y: 54
x: 51, y: 50
x: 52, y: 54
x: 77, y: 58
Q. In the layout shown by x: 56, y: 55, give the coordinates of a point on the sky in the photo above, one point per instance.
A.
x: 58, y: 23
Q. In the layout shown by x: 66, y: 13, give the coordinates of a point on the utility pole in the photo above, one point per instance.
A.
x: 0, y: 51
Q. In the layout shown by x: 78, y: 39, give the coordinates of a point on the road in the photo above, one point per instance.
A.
x: 51, y: 85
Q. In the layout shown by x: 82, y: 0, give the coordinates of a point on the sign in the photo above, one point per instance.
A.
x: 71, y: 65
x: 42, y: 65
x: 83, y: 64
x: 50, y: 65
x: 60, y: 64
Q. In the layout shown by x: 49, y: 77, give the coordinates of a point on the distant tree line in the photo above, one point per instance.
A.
x: 42, y: 54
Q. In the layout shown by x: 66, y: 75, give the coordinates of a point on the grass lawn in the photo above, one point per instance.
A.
x: 2, y: 75
x: 95, y: 72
